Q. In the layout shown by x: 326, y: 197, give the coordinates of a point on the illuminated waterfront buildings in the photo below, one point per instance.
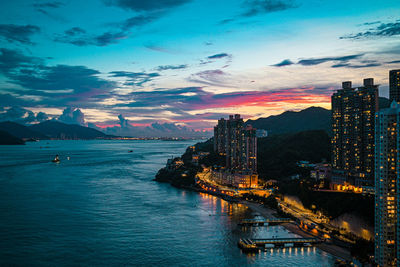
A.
x: 353, y: 125
x: 238, y: 143
x: 387, y: 231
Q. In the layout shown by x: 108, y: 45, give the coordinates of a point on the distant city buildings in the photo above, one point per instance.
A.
x: 238, y: 143
x: 353, y: 126
x: 387, y: 170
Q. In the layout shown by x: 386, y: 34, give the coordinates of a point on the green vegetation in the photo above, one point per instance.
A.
x: 277, y: 155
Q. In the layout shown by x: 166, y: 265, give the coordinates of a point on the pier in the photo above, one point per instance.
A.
x: 283, y: 242
x: 262, y: 222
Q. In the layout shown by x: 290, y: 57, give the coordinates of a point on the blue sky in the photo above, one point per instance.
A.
x: 187, y: 62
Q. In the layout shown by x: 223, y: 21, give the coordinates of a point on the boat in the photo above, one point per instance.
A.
x: 56, y: 159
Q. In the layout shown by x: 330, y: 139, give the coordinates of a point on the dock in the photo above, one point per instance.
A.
x: 283, y: 242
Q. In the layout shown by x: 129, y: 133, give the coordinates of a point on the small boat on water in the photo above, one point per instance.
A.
x: 130, y: 151
x: 56, y: 159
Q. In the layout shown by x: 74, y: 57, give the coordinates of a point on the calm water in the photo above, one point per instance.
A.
x: 102, y: 208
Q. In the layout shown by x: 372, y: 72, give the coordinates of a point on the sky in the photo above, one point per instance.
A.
x: 130, y: 65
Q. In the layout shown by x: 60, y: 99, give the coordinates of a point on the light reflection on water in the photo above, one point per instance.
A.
x: 101, y: 207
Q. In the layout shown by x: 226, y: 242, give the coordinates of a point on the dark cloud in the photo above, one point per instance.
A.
x: 147, y: 5
x: 218, y: 56
x: 41, y: 116
x: 171, y: 67
x: 122, y: 121
x: 74, y: 31
x: 317, y: 61
x: 77, y: 36
x: 213, y: 58
x: 21, y: 115
x: 120, y: 30
x: 72, y: 116
x: 62, y: 84
x: 256, y: 7
x: 393, y: 62
x: 353, y: 66
x: 18, y: 33
x: 53, y: 4
x: 135, y: 78
x: 383, y: 30
x: 285, y: 62
x: 45, y: 7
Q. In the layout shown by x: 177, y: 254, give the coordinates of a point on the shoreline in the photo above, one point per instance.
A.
x: 268, y: 213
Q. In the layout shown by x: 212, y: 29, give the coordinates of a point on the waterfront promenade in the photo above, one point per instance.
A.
x: 293, y: 228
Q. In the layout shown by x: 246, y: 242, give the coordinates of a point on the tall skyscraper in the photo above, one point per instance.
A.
x: 353, y: 125
x: 387, y: 174
x: 237, y: 142
x: 394, y: 85
x: 220, y: 137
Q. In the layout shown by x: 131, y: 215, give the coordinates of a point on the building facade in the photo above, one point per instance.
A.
x: 353, y: 126
x: 394, y: 85
x: 238, y: 143
x: 387, y: 141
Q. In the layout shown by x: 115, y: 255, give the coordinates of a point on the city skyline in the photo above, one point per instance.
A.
x: 130, y: 64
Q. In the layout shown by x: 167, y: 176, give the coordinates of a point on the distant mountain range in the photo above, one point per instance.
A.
x: 313, y: 118
x: 49, y: 130
x: 8, y: 139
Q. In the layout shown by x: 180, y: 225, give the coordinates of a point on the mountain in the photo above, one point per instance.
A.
x: 20, y: 131
x: 59, y: 130
x: 313, y: 118
x: 8, y: 139
x: 384, y: 102
x: 278, y: 154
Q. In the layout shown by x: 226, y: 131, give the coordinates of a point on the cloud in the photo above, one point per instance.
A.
x: 21, y: 115
x: 72, y: 116
x: 41, y: 116
x: 210, y: 77
x: 171, y: 67
x: 18, y: 33
x: 148, y: 5
x: 218, y: 56
x: 44, y: 8
x: 155, y: 129
x: 118, y: 31
x: 135, y: 78
x: 383, y: 30
x: 393, y: 62
x: 78, y: 37
x: 213, y: 58
x: 285, y: 62
x: 62, y: 84
x: 256, y: 7
x: 317, y: 61
x: 122, y: 121
x: 74, y: 31
x: 348, y: 65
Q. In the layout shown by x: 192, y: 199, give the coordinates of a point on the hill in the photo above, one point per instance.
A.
x: 277, y: 155
x: 20, y: 131
x: 8, y: 139
x: 313, y: 118
x: 59, y: 130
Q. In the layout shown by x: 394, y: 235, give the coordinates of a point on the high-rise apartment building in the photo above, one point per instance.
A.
x: 353, y: 125
x: 237, y: 142
x: 394, y: 85
x: 387, y: 174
